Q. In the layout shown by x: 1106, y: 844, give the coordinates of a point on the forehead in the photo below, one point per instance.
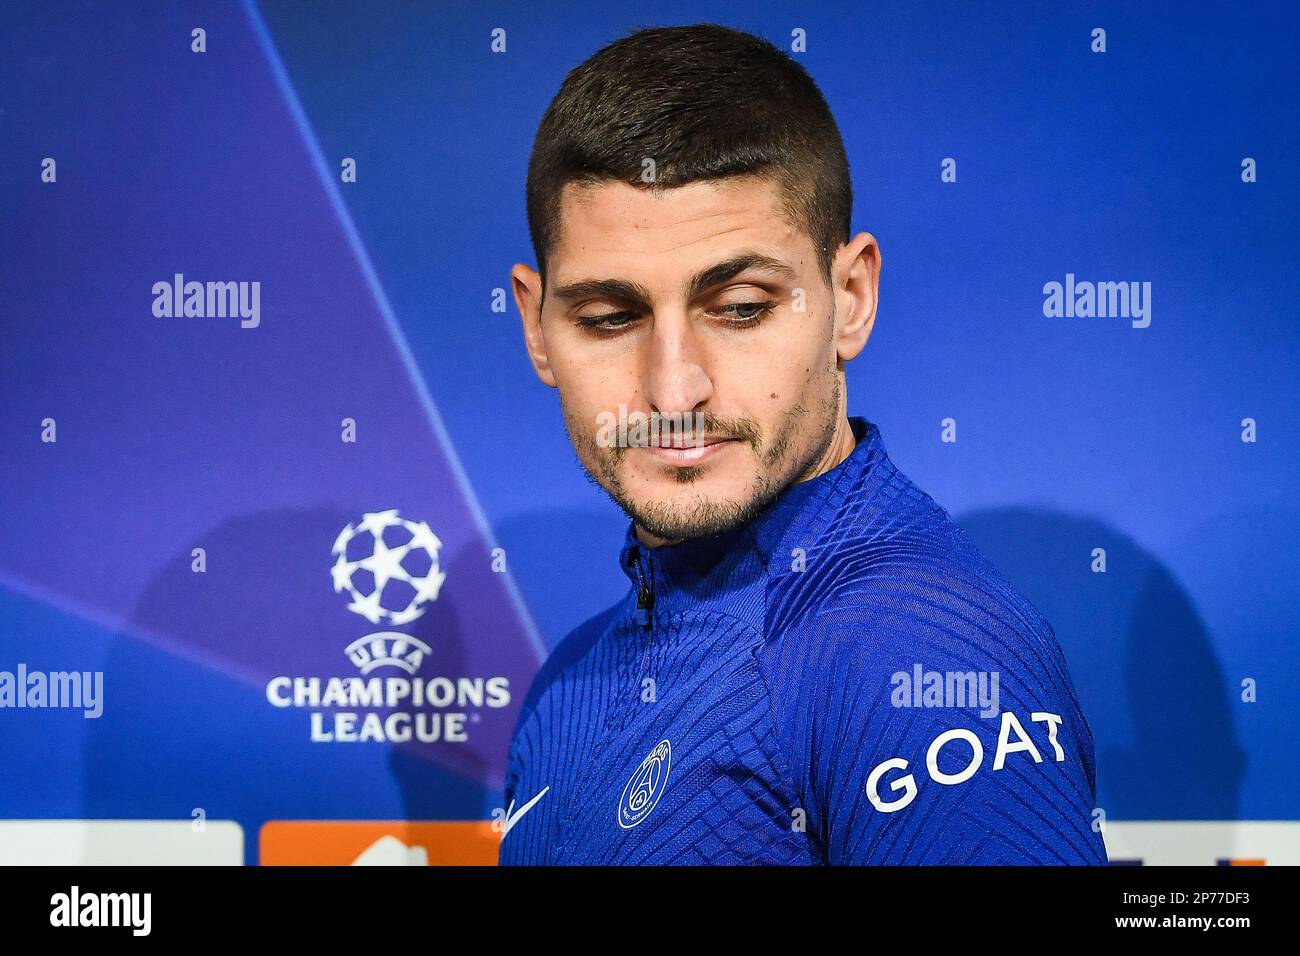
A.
x: 610, y: 227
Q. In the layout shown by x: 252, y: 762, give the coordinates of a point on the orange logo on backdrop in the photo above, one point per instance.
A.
x: 378, y: 842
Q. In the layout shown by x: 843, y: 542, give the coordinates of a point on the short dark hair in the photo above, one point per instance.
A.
x: 704, y: 102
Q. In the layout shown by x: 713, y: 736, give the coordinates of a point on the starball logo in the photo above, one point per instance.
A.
x: 413, y: 561
x: 390, y: 570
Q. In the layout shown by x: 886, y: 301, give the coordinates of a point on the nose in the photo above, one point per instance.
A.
x: 676, y: 380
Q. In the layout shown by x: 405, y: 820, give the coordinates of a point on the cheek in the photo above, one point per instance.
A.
x: 815, y: 359
x: 783, y: 369
x: 590, y: 385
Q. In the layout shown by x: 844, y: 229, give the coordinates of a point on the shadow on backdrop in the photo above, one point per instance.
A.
x: 1151, y: 687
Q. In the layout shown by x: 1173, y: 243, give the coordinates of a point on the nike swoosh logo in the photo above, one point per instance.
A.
x: 513, y: 817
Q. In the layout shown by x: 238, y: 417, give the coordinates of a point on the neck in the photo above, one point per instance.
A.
x: 840, y: 447
x: 837, y: 450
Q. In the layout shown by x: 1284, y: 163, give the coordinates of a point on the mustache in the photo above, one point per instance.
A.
x: 683, y: 429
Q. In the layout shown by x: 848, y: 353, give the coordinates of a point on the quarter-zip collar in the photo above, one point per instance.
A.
x: 727, y: 571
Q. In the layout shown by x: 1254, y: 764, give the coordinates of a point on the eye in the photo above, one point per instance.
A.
x: 609, y: 322
x: 746, y: 313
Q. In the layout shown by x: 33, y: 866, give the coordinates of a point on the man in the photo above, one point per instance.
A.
x: 812, y: 664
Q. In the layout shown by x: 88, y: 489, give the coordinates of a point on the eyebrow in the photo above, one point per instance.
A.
x: 702, y: 281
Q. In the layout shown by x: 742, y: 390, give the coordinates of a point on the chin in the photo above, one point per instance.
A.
x: 685, y: 530
x: 692, y: 515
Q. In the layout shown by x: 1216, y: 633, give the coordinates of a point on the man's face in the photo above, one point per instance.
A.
x: 703, y: 310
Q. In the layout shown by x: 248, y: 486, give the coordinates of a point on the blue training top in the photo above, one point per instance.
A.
x: 843, y: 680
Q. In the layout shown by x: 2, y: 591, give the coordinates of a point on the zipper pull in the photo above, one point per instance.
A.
x: 645, y: 595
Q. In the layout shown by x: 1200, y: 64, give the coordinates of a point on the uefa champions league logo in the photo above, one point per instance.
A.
x: 389, y: 568
x: 387, y: 555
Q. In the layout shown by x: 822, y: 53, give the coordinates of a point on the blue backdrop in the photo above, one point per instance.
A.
x: 377, y: 307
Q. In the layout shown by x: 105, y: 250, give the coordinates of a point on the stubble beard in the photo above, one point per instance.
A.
x: 778, y: 469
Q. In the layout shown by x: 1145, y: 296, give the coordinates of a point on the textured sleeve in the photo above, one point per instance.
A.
x: 930, y: 719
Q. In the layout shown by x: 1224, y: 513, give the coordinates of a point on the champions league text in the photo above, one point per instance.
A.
x: 415, y: 706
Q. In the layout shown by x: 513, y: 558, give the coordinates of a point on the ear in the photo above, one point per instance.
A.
x: 527, y: 287
x: 857, y: 285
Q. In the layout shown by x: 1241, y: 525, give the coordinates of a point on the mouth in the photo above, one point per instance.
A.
x: 697, y: 451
